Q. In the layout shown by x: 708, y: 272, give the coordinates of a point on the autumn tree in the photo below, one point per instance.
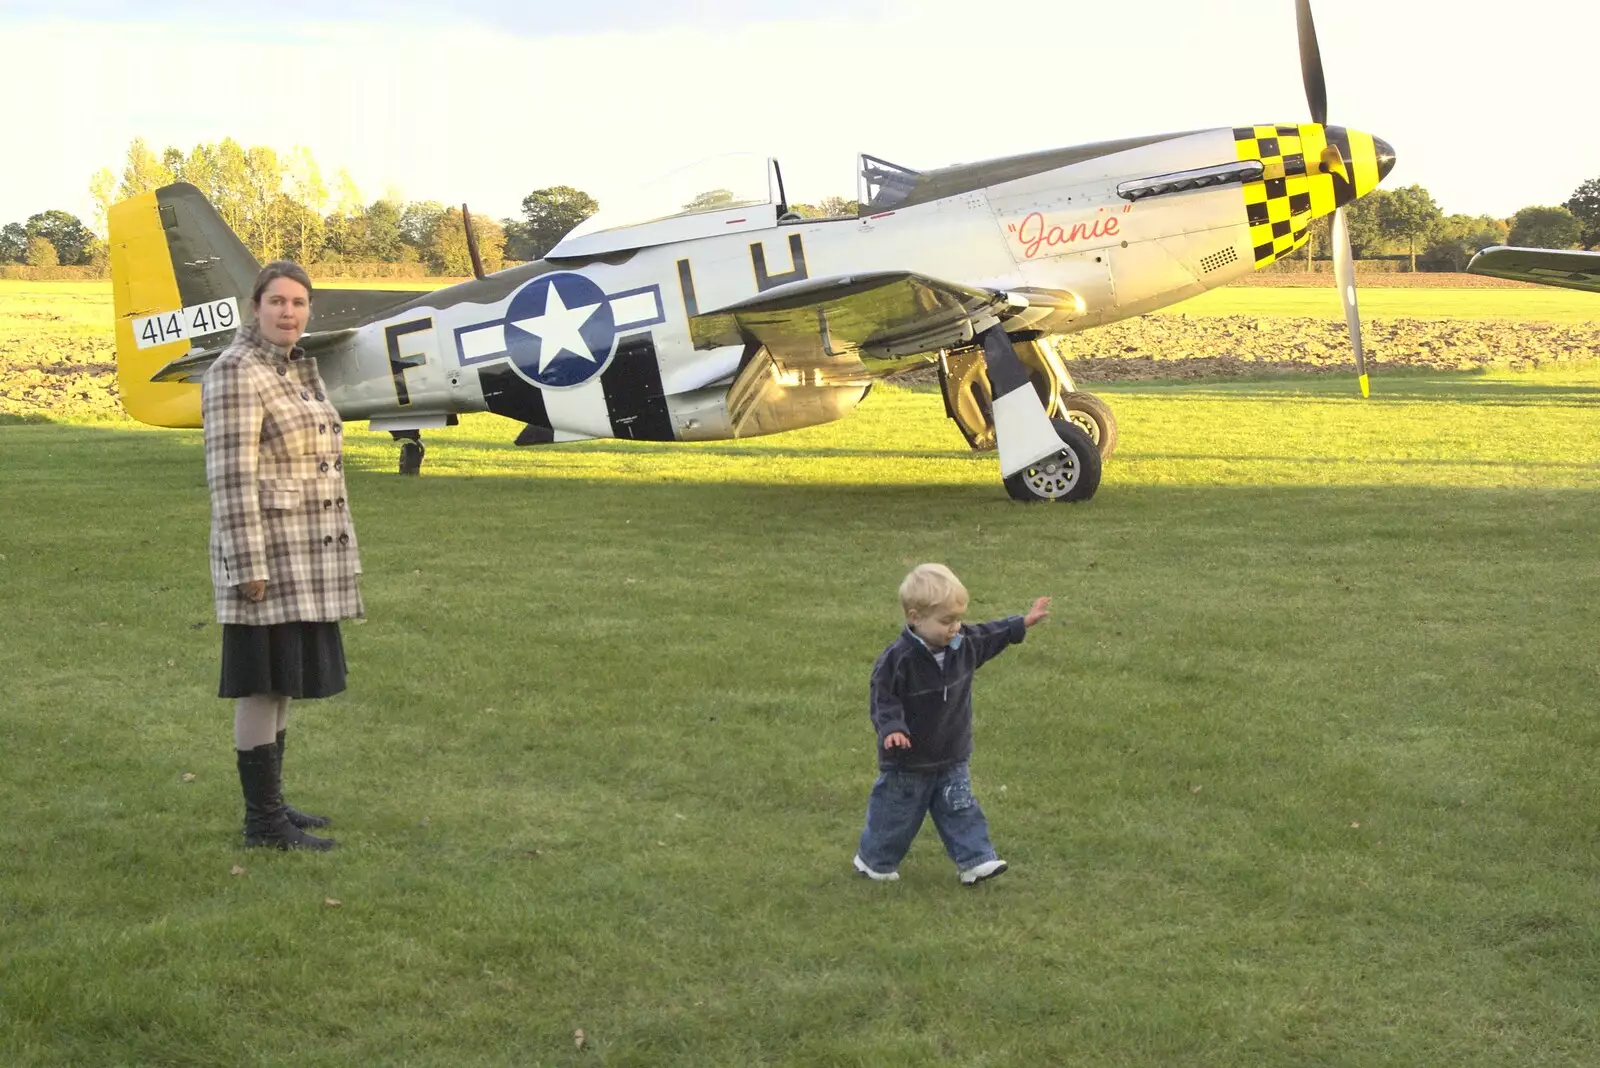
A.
x: 381, y: 239
x: 299, y: 230
x: 547, y: 216
x: 67, y: 235
x: 1458, y: 238
x: 419, y: 220
x: 41, y: 253
x: 447, y: 251
x: 280, y: 205
x: 1319, y: 240
x: 13, y: 243
x: 1544, y: 227
x: 711, y: 200
x: 103, y: 191
x: 342, y: 226
x: 308, y: 195
x: 230, y: 182
x: 1408, y: 214
x: 143, y: 172
x: 1364, y: 222
x: 827, y: 208
x: 262, y: 187
x: 200, y: 168
x: 1585, y: 206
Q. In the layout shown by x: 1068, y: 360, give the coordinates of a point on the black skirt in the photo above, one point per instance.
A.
x: 293, y: 659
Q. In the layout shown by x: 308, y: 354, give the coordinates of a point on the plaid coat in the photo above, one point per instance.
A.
x: 275, y: 465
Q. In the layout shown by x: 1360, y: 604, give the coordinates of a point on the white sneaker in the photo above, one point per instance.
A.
x: 877, y: 876
x: 979, y: 872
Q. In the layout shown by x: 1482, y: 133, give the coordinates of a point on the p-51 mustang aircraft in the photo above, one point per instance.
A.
x: 732, y: 317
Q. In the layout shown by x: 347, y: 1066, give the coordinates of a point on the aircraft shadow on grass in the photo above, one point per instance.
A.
x: 789, y: 501
x: 1455, y: 392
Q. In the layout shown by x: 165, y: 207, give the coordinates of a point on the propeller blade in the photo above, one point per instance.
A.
x: 1344, y: 274
x: 1311, y: 63
x: 472, y: 244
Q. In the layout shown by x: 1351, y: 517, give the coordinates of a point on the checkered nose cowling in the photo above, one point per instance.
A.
x: 1309, y: 170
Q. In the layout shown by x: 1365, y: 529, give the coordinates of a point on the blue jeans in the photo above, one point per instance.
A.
x: 900, y: 799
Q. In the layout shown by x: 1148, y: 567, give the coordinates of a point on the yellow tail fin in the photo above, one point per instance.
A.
x: 179, y: 277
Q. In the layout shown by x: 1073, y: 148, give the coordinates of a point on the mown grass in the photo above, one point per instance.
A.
x: 1541, y: 304
x: 1300, y: 771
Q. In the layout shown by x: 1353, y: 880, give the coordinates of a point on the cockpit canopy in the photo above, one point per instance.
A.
x: 723, y: 195
x: 738, y: 193
x: 881, y: 185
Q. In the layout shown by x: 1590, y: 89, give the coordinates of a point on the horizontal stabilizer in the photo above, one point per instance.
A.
x: 193, y: 366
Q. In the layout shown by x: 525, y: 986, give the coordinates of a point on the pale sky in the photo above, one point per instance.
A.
x: 484, y: 101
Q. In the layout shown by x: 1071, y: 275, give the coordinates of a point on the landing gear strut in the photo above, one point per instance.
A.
x: 968, y: 394
x: 1040, y: 459
x: 411, y: 450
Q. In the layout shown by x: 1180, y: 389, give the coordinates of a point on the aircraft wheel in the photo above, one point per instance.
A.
x: 411, y: 457
x: 1093, y: 416
x: 1071, y: 475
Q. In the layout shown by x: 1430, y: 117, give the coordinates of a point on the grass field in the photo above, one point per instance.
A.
x: 1301, y: 771
x: 1539, y: 304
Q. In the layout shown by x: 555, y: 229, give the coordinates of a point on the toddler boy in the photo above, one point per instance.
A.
x: 922, y: 709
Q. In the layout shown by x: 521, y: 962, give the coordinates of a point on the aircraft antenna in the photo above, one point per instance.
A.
x: 472, y: 244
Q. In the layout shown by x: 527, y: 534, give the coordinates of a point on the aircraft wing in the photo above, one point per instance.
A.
x: 1547, y: 266
x: 878, y: 313
x: 192, y: 366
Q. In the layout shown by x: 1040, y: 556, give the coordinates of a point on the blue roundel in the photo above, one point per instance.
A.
x: 560, y: 329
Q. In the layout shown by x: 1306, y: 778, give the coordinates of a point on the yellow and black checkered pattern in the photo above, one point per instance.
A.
x: 1296, y: 186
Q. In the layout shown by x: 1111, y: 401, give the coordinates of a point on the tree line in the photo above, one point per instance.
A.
x: 1407, y: 221
x: 283, y: 207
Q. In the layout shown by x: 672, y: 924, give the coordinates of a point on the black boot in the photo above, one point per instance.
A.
x: 296, y: 817
x: 265, y: 822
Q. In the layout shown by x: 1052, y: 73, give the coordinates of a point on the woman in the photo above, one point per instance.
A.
x: 283, y: 551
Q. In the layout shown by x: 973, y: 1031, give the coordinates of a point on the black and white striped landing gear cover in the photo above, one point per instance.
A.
x: 1070, y: 474
x: 1040, y: 459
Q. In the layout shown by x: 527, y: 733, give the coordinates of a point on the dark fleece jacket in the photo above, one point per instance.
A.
x: 933, y: 704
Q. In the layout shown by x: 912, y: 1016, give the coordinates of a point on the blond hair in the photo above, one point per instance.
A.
x: 930, y: 586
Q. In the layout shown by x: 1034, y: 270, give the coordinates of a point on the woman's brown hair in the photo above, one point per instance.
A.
x: 279, y: 269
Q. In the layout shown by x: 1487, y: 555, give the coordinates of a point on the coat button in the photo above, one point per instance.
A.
x: 324, y: 466
x: 338, y: 428
x: 338, y: 465
x: 283, y: 370
x: 321, y: 395
x: 322, y: 428
x: 304, y: 395
x: 327, y: 504
x: 327, y: 539
x: 344, y: 539
x: 340, y: 502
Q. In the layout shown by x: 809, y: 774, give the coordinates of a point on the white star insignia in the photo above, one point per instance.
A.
x: 558, y: 329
